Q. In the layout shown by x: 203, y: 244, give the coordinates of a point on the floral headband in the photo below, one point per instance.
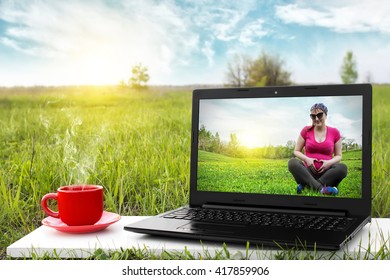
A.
x: 321, y: 107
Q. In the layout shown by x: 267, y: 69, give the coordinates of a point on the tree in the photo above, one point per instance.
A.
x: 368, y: 78
x: 233, y: 145
x: 122, y: 84
x: 348, y: 70
x: 216, y: 144
x: 237, y: 75
x: 266, y: 70
x: 204, y: 138
x: 290, y: 147
x: 140, y: 76
x: 348, y: 143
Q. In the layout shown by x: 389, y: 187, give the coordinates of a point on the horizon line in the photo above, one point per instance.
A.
x: 206, y: 85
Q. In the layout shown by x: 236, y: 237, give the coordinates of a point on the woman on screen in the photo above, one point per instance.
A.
x: 318, y: 167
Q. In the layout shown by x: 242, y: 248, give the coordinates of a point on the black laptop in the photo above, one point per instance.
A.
x: 242, y: 188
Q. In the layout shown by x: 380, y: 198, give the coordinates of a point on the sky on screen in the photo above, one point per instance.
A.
x: 274, y: 121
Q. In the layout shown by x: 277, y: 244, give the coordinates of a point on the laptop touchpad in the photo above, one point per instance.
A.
x: 210, y: 228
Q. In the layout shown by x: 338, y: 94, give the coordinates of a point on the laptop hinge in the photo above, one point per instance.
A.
x: 276, y: 210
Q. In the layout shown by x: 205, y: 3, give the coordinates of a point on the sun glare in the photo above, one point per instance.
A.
x: 248, y: 140
x: 95, y: 70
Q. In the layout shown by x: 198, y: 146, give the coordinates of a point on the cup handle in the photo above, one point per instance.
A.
x: 45, y: 208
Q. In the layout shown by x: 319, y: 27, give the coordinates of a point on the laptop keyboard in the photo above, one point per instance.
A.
x: 297, y: 221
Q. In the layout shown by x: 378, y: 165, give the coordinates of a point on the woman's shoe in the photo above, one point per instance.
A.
x: 329, y: 191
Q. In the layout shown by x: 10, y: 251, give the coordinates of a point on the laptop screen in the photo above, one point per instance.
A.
x: 300, y: 146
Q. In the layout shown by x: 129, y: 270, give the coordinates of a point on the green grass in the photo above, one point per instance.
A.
x: 220, y: 173
x: 381, y: 151
x: 135, y: 144
x: 224, y: 174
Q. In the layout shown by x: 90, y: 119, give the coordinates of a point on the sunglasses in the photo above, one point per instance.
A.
x: 319, y: 116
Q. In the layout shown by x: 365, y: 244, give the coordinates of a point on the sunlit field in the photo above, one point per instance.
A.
x: 135, y: 144
x: 221, y: 173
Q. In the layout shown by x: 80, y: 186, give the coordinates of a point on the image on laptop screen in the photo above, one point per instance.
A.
x: 246, y: 145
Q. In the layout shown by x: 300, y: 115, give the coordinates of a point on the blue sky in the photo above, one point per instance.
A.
x: 188, y: 42
x: 274, y: 121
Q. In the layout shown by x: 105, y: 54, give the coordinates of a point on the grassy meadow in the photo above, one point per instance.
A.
x: 135, y: 144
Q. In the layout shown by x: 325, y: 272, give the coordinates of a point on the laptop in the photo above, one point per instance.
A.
x: 242, y: 187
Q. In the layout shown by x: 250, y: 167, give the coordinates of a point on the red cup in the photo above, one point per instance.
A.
x: 77, y: 205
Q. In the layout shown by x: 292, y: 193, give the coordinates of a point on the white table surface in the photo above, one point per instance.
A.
x: 48, y: 241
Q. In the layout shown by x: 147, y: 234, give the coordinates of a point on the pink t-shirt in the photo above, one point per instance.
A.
x: 323, y: 150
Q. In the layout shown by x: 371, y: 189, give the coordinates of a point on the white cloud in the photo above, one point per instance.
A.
x: 10, y: 43
x: 343, y: 17
x: 208, y: 51
x: 251, y: 31
x: 98, y: 43
x: 225, y: 28
x: 222, y: 20
x: 348, y: 128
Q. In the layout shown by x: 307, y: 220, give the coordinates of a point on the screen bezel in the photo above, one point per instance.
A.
x: 355, y: 206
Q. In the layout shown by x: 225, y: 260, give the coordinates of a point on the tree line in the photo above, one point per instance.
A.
x: 243, y: 71
x: 207, y: 141
x: 269, y: 70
